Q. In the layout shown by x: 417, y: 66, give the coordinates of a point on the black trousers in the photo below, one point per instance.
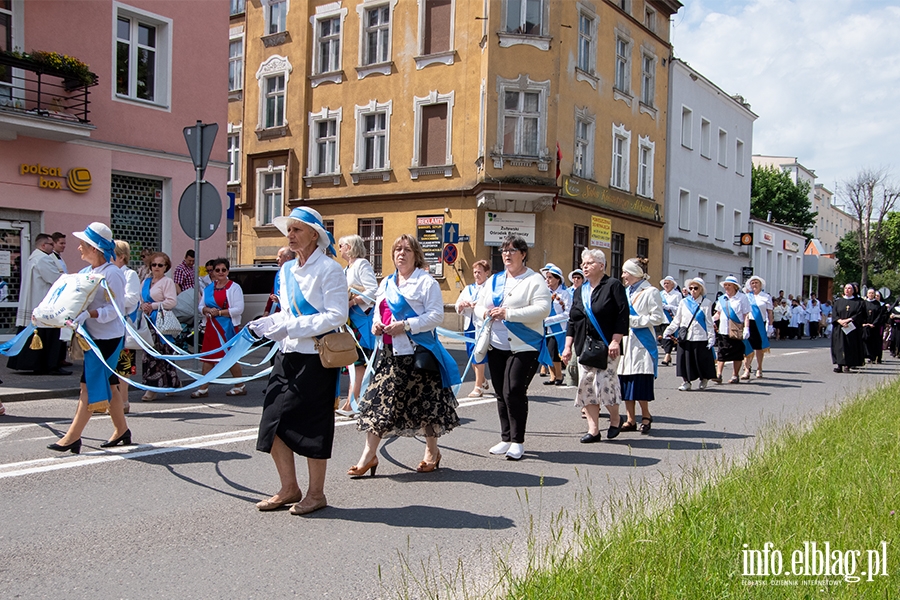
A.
x: 511, y: 374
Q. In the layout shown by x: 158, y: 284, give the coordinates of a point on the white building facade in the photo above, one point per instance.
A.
x: 710, y: 139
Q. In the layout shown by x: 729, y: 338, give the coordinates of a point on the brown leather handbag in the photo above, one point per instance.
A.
x: 336, y: 349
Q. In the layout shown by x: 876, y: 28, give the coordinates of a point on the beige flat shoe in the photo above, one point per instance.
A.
x: 299, y: 509
x: 272, y: 504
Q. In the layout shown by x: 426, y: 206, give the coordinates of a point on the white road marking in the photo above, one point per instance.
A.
x: 793, y: 353
x: 56, y: 463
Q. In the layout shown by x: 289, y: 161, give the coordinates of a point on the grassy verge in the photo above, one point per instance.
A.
x: 837, y: 481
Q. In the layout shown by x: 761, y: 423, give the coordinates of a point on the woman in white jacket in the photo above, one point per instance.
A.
x: 695, y: 357
x: 465, y: 304
x: 517, y: 301
x: 640, y: 354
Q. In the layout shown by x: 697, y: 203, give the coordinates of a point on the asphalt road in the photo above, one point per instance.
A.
x: 173, y: 517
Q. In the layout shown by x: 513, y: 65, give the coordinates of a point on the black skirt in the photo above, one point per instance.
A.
x: 299, y: 406
x: 695, y: 361
x: 729, y: 349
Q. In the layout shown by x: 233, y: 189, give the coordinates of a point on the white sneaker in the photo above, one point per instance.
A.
x: 515, y: 451
x: 685, y: 387
x: 500, y: 448
x: 704, y: 383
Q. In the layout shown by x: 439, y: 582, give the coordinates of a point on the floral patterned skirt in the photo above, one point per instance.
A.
x: 403, y: 400
x: 160, y: 372
x: 597, y: 386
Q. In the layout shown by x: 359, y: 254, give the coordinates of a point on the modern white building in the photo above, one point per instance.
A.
x: 832, y: 223
x: 710, y: 139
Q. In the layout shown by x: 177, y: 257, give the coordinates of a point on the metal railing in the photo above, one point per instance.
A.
x: 31, y: 89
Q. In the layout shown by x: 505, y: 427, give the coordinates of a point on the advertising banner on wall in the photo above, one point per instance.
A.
x: 601, y: 232
x: 499, y: 225
x: 430, y: 234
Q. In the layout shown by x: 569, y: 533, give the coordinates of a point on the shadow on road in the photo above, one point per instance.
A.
x: 425, y: 517
x: 170, y: 460
x: 597, y: 458
x: 494, y: 479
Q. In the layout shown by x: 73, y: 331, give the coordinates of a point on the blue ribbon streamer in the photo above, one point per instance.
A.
x: 647, y: 339
x: 520, y: 330
x: 760, y: 326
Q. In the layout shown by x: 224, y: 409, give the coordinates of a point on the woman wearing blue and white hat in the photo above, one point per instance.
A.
x: 671, y: 297
x: 555, y: 324
x: 731, y: 312
x: 298, y: 408
x: 102, y: 322
x: 760, y: 325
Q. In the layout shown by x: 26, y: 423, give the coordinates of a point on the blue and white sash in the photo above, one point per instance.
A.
x: 646, y: 337
x: 692, y: 306
x: 533, y: 338
x: 760, y: 325
x: 556, y: 330
x: 474, y: 294
x: 96, y: 378
x: 227, y: 325
x: 401, y: 310
x: 665, y: 302
x: 586, y: 302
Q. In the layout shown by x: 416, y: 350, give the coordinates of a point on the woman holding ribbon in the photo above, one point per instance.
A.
x: 759, y: 322
x: 126, y: 364
x: 102, y: 322
x: 221, y: 305
x: 695, y: 357
x: 516, y: 301
x: 599, y: 314
x: 465, y: 304
x: 555, y: 325
x: 731, y: 313
x: 640, y: 353
x: 298, y: 409
x: 158, y: 291
x: 411, y: 393
x: 362, y: 287
x: 671, y: 298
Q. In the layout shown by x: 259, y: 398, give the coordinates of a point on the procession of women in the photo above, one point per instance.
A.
x: 606, y: 335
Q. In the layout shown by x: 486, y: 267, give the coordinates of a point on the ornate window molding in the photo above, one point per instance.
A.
x: 499, y: 153
x: 416, y: 168
x: 313, y: 174
x: 274, y: 66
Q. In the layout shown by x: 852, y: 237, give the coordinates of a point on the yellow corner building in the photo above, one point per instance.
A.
x: 446, y: 118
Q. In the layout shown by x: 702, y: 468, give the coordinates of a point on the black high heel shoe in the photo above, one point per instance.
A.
x: 124, y: 439
x: 74, y: 447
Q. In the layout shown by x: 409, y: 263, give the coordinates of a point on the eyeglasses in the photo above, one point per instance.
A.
x: 220, y: 270
x: 157, y: 264
x: 693, y: 287
x: 588, y: 264
x: 509, y: 251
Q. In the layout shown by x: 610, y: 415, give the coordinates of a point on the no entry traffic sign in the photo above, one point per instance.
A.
x: 450, y: 254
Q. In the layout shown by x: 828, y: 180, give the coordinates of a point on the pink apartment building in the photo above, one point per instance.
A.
x: 73, y: 151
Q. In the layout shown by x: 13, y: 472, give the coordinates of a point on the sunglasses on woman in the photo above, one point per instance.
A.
x: 157, y: 264
x: 220, y: 270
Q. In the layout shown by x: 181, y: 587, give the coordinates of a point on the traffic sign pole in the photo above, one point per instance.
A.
x: 199, y: 146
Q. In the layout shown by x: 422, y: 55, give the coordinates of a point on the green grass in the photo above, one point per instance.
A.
x: 836, y: 480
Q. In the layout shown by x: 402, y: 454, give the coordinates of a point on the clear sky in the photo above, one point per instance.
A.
x: 823, y: 76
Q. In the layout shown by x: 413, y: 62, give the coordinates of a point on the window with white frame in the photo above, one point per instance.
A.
x: 687, y: 123
x: 583, y: 157
x: 6, y: 45
x: 621, y: 147
x: 373, y: 137
x: 624, y: 5
x: 703, y: 216
x: 737, y: 222
x: 525, y: 16
x: 650, y: 19
x: 684, y: 210
x: 646, y: 150
x: 329, y: 45
x: 433, y: 132
x: 276, y: 16
x: 705, y: 138
x: 273, y: 76
x: 237, y: 7
x: 325, y: 142
x: 376, y: 35
x: 723, y: 148
x: 236, y: 63
x: 739, y: 157
x: 143, y: 55
x: 234, y: 154
x: 648, y: 78
x: 270, y: 194
x: 586, y: 36
x: 436, y: 24
x: 623, y: 59
x: 521, y: 117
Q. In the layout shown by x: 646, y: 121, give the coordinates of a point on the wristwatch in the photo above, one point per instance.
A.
x: 406, y: 326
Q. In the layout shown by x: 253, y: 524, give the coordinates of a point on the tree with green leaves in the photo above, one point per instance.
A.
x: 773, y: 190
x: 883, y: 270
x: 869, y: 198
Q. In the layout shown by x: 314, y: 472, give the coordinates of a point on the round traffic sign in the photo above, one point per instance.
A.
x: 210, y: 210
x: 450, y: 254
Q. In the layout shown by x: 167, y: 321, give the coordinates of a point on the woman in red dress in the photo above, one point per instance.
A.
x: 221, y: 306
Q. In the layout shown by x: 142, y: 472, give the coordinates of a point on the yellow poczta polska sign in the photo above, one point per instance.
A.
x: 77, y: 179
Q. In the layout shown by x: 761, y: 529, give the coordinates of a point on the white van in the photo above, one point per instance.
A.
x: 257, y: 282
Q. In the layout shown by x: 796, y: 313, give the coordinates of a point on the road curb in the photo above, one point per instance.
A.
x: 39, y: 394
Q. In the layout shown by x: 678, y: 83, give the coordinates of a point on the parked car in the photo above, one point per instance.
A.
x: 257, y: 282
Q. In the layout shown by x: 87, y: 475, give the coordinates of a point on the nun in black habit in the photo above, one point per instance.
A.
x: 847, y: 349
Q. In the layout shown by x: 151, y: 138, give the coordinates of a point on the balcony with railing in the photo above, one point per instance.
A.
x: 40, y: 101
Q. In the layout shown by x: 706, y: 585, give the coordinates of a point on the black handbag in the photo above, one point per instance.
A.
x: 424, y: 360
x: 594, y: 354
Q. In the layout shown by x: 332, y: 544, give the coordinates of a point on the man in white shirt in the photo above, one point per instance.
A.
x: 39, y: 273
